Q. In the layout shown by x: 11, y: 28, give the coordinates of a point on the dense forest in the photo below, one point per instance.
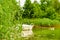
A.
x: 46, y: 9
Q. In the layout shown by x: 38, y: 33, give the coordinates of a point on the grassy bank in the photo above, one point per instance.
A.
x: 44, y: 22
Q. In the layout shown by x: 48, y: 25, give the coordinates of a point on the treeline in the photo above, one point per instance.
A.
x: 46, y: 13
x: 45, y: 9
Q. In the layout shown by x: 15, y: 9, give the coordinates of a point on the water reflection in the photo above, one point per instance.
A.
x: 26, y: 30
x: 27, y: 33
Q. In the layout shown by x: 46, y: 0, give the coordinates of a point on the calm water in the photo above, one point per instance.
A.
x: 39, y: 34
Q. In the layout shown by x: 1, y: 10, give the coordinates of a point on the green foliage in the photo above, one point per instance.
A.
x: 10, y: 33
x: 45, y: 22
x: 27, y: 9
x: 56, y: 5
x: 36, y: 10
x: 46, y: 14
x: 50, y: 12
x: 8, y: 10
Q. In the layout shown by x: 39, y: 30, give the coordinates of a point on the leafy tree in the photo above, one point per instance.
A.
x: 49, y: 10
x: 37, y: 13
x: 8, y: 10
x: 27, y: 9
x: 56, y: 5
x: 43, y: 5
x: 50, y: 13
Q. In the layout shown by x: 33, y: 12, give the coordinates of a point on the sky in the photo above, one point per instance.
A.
x: 23, y: 1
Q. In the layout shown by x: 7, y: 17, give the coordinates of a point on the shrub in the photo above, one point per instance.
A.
x: 10, y: 32
x: 41, y: 22
x: 8, y: 10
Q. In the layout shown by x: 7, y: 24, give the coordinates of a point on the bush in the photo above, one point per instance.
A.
x: 10, y: 32
x: 41, y: 22
x: 7, y: 12
x: 50, y: 11
x: 8, y: 9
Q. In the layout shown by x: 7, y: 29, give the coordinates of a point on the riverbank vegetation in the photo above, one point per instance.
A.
x: 43, y: 14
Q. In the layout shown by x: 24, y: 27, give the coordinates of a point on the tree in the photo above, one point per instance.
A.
x: 49, y: 10
x: 45, y: 4
x: 8, y: 10
x: 56, y: 5
x: 50, y: 13
x: 36, y: 10
x: 27, y: 9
